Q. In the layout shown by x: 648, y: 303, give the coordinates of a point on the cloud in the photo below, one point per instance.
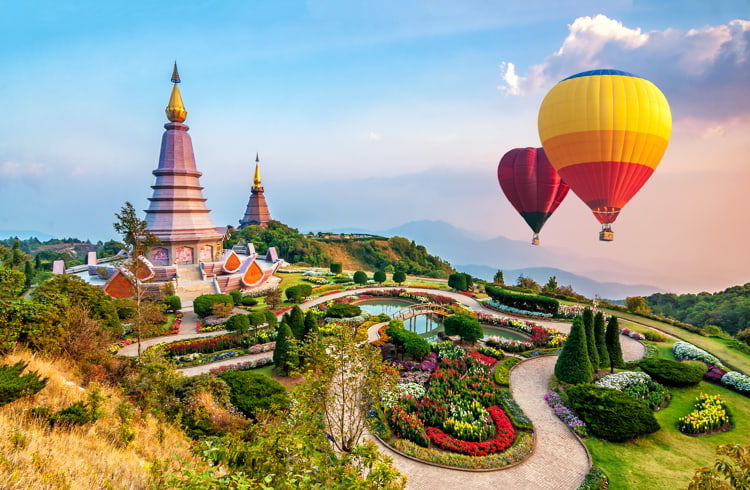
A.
x: 22, y: 171
x: 704, y: 72
x: 373, y: 136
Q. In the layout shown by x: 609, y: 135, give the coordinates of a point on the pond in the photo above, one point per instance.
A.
x: 427, y: 326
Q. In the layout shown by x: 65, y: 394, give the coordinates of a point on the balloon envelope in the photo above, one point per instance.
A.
x: 605, y: 131
x: 531, y: 185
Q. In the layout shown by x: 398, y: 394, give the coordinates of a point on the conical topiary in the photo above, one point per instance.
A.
x: 282, y: 346
x: 573, y: 365
x: 588, y: 323
x: 297, y: 322
x: 601, y: 343
x: 613, y: 344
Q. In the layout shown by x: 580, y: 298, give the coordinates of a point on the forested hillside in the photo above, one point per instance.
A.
x: 395, y: 253
x: 729, y: 309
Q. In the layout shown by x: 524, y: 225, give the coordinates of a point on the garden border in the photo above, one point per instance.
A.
x: 458, y: 468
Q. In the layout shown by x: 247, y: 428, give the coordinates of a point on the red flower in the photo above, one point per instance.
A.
x: 505, y: 434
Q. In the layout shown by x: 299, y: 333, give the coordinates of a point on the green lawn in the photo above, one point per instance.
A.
x: 715, y: 346
x: 668, y: 458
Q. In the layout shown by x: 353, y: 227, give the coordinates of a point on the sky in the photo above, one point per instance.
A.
x: 372, y: 114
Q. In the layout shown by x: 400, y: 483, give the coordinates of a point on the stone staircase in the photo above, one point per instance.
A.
x: 190, y: 285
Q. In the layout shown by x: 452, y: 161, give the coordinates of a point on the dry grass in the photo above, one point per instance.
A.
x: 89, y: 457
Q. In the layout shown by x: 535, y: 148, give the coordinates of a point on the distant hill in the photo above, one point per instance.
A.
x: 583, y: 285
x: 25, y: 234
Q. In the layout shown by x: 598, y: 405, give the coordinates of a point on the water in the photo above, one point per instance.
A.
x: 427, y: 326
x: 93, y: 280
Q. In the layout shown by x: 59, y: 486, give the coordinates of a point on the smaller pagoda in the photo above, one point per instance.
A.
x: 256, y: 212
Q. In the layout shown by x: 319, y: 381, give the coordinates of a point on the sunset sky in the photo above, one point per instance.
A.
x: 372, y: 114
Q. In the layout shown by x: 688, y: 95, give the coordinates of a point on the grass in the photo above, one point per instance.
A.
x: 668, y: 458
x: 34, y: 456
x: 715, y: 346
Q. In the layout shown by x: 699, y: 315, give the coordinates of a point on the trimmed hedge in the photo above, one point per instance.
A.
x: 236, y: 297
x: 466, y: 327
x: 174, y: 303
x: 674, y: 373
x: 336, y: 267
x: 251, y: 391
x: 610, y: 414
x: 409, y: 342
x: 573, y: 365
x: 202, y: 304
x: 238, y: 323
x: 248, y: 301
x: 343, y: 310
x: 502, y: 370
x: 298, y: 292
x: 523, y: 301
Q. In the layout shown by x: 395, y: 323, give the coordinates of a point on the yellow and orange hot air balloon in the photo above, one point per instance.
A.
x: 605, y: 132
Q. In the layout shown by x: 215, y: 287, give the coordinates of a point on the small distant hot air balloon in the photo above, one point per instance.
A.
x: 531, y: 185
x: 605, y: 132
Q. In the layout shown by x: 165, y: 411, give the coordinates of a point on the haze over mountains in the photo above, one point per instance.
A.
x: 482, y: 257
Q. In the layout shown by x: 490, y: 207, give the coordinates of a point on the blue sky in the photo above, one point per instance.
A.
x: 348, y: 95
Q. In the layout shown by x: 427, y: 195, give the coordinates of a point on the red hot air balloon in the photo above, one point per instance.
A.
x: 532, y: 186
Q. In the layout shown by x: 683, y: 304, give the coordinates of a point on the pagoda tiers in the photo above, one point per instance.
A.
x: 177, y: 214
x: 256, y: 212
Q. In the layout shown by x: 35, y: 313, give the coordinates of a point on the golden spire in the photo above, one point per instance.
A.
x: 256, y: 179
x: 175, y: 110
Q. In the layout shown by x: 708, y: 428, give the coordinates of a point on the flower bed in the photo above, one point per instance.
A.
x: 491, y: 352
x: 198, y: 358
x: 502, y: 370
x: 714, y: 373
x: 113, y: 348
x: 632, y: 334
x: 508, y: 345
x: 737, y: 382
x: 685, y: 350
x: 538, y: 336
x: 481, y: 358
x: 243, y: 366
x: 710, y: 414
x: 494, y: 305
x: 505, y: 434
x: 620, y: 381
x: 565, y: 414
x: 514, y: 412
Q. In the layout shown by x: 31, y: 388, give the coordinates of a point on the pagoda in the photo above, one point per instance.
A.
x: 256, y: 212
x: 178, y: 215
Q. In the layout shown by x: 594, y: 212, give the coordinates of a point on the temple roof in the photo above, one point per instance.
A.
x: 175, y: 110
x: 256, y: 178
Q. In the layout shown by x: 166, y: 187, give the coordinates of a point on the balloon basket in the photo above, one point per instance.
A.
x: 606, y: 235
x: 535, y: 239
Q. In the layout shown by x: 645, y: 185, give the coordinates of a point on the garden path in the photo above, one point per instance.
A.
x: 187, y: 331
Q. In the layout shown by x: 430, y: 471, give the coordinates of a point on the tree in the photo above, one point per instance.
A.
x: 343, y: 380
x: 528, y: 283
x: 588, y: 323
x: 285, y: 355
x: 551, y: 285
x: 296, y: 321
x: 573, y: 365
x: 136, y: 235
x: 399, y: 277
x: 18, y: 257
x: 637, y: 304
x: 37, y: 262
x: 466, y: 327
x: 613, y: 344
x: 731, y: 473
x: 298, y: 292
x: 273, y: 298
x: 311, y: 324
x: 336, y: 267
x: 499, y: 278
x: 360, y: 278
x: 600, y: 338
x: 379, y: 277
x: 11, y: 283
x: 29, y: 273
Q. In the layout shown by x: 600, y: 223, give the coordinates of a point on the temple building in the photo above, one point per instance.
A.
x: 256, y: 212
x: 178, y: 215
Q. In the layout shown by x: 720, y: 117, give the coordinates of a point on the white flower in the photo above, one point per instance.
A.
x: 622, y: 380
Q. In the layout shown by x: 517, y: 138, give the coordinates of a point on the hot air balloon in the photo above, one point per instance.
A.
x: 605, y: 132
x: 531, y: 185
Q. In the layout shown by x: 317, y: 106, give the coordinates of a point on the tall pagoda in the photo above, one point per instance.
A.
x: 256, y: 212
x: 177, y: 214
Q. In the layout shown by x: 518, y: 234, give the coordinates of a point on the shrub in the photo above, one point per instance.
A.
x: 744, y: 335
x: 298, y: 292
x: 343, y: 310
x: 221, y: 310
x: 502, y: 370
x: 591, y: 348
x: 685, y: 350
x: 174, y: 303
x: 236, y: 297
x: 409, y: 342
x: 611, y: 415
x: 14, y: 385
x: 674, y: 373
x: 379, y: 277
x: 600, y: 339
x: 76, y: 414
x: 360, y: 277
x: 460, y: 281
x: 595, y: 479
x: 466, y: 327
x: 737, y: 381
x: 238, y: 323
x: 248, y: 301
x: 523, y: 301
x: 612, y: 338
x: 573, y: 365
x: 654, y: 336
x: 285, y: 355
x: 203, y: 305
x: 250, y: 392
x: 336, y: 267
x: 399, y: 277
